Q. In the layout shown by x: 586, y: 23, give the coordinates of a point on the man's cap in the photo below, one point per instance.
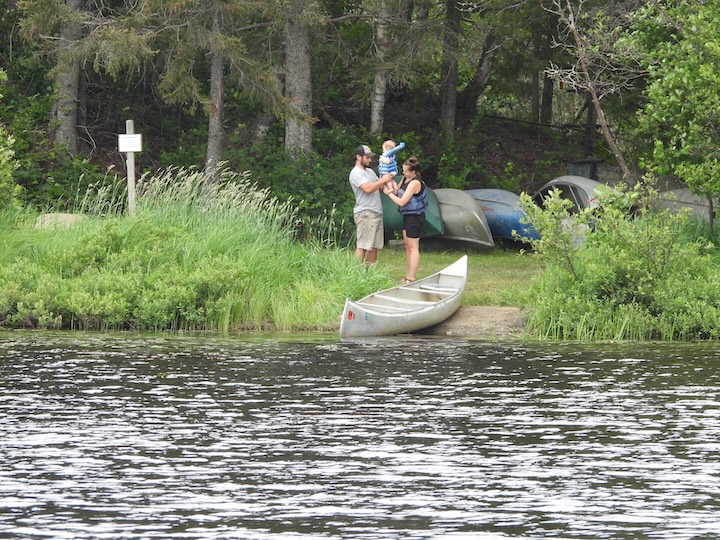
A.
x: 364, y: 150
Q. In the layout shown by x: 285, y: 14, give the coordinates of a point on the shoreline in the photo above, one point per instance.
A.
x: 482, y: 322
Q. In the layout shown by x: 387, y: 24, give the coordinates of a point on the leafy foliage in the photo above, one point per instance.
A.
x: 139, y: 57
x: 628, y: 276
x: 9, y: 190
x: 317, y: 184
x: 682, y: 46
x: 45, y: 176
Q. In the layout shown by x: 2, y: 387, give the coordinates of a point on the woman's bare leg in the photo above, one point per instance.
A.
x: 412, y: 256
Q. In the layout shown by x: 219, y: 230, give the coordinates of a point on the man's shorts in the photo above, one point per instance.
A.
x: 412, y: 224
x: 369, y: 230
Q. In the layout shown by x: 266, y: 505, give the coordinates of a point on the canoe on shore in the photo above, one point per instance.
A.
x: 679, y: 199
x: 407, y: 308
x: 393, y: 220
x: 581, y: 191
x: 504, y: 213
x: 463, y: 219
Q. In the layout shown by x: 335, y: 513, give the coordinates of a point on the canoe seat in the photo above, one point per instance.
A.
x: 436, y: 287
x: 428, y: 291
x: 404, y: 300
x: 387, y: 309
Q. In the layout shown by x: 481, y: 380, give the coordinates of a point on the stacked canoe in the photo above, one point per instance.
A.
x: 451, y: 215
x: 481, y: 218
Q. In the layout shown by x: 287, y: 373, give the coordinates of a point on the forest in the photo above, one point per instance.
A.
x: 492, y: 93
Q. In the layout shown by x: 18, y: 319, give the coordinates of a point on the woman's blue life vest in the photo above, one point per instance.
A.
x: 417, y: 203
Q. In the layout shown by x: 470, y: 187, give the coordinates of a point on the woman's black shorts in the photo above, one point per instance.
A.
x: 412, y: 224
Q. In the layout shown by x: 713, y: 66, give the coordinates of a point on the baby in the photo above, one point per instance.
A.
x: 386, y: 162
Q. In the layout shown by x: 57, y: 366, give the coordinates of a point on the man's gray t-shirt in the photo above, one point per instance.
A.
x: 365, y: 201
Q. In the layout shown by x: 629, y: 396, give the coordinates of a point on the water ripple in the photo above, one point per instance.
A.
x: 185, y: 437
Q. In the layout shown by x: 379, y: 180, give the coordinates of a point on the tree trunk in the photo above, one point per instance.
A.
x: 298, y: 85
x: 546, y: 106
x: 66, y: 82
x: 377, y: 106
x: 601, y: 118
x: 86, y: 145
x: 423, y: 10
x: 546, y: 109
x: 468, y: 98
x: 609, y: 137
x: 583, y: 53
x: 216, y: 134
x: 536, y: 77
x: 448, y: 83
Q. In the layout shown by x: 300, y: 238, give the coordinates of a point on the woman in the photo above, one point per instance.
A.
x: 411, y: 198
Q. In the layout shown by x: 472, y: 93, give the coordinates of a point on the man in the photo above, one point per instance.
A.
x: 368, y: 213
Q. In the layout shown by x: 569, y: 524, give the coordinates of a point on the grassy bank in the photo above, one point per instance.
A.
x: 497, y: 277
x: 197, y: 255
x: 206, y: 255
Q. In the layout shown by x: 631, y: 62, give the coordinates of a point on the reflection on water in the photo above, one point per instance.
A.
x: 112, y: 437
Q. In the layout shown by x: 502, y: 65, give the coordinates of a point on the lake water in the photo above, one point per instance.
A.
x: 205, y: 437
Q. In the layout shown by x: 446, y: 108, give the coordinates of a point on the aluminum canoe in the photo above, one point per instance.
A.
x: 679, y: 199
x: 463, y: 218
x: 581, y: 191
x: 407, y: 308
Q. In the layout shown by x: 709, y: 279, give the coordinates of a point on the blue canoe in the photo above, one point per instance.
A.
x: 504, y: 213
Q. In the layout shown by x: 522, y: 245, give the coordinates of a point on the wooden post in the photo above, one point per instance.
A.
x: 130, y: 161
x: 130, y: 143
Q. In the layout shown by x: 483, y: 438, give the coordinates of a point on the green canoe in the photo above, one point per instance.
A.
x: 393, y: 222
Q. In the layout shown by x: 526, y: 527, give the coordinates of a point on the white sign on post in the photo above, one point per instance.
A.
x: 130, y: 143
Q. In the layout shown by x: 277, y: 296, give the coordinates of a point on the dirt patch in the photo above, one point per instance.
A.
x: 482, y: 322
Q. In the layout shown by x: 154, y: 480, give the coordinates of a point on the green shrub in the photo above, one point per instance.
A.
x: 626, y: 277
x: 42, y: 177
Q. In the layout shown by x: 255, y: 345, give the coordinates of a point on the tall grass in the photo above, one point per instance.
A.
x: 14, y: 232
x: 197, y: 255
